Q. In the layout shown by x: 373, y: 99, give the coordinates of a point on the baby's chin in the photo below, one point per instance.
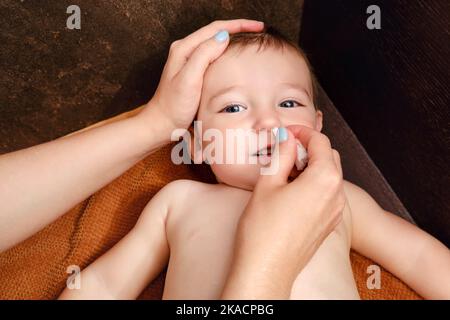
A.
x: 238, y: 176
x: 247, y: 180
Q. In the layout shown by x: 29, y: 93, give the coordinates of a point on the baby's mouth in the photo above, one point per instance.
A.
x: 264, y: 155
x: 266, y: 151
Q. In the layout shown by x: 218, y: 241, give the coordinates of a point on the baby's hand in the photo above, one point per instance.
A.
x: 178, y: 94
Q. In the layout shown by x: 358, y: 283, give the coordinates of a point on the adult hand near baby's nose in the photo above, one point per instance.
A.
x: 284, y: 223
x: 178, y: 94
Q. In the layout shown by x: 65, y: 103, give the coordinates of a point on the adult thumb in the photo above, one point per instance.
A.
x: 282, y: 159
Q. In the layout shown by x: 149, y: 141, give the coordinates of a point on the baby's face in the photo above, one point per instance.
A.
x: 255, y: 92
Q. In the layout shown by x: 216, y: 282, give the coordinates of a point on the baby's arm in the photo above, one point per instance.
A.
x: 410, y: 253
x: 127, y: 268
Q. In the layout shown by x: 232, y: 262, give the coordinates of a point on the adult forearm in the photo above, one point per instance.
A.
x: 261, y: 271
x: 40, y: 183
x: 250, y: 280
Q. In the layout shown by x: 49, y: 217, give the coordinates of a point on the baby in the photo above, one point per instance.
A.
x: 261, y: 82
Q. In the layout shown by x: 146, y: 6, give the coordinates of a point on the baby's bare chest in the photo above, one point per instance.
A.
x: 201, y: 237
x: 212, y: 220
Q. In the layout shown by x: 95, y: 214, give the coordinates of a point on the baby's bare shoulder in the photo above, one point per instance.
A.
x: 176, y: 195
x: 185, y: 186
x: 360, y: 201
x: 184, y: 191
x: 350, y: 188
x: 357, y: 196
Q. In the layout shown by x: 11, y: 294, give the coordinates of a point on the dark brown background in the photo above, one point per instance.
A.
x: 392, y: 87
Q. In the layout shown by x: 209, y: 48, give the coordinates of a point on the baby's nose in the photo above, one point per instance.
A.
x: 267, y: 120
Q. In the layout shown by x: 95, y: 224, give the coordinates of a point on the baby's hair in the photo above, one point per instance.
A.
x: 270, y: 37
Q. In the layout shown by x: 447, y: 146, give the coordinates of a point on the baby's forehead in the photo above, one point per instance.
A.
x: 258, y: 56
x: 251, y: 64
x: 238, y: 51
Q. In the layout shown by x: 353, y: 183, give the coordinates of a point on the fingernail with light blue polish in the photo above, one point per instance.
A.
x: 221, y: 36
x: 282, y: 134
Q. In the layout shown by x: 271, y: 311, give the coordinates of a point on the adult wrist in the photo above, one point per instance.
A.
x: 255, y: 274
x: 154, y: 127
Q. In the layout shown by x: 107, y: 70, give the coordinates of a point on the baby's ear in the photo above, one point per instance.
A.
x: 319, y: 120
x: 194, y: 146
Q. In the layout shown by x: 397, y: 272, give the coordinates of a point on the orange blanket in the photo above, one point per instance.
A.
x: 36, y: 268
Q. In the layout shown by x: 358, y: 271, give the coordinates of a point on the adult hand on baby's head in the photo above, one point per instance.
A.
x: 178, y: 94
x: 284, y: 223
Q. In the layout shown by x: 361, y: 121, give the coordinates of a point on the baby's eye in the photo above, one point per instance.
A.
x: 232, y: 108
x: 289, y: 104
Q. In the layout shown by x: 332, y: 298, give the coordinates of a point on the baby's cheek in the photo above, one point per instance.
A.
x: 234, y: 148
x: 306, y: 118
x: 310, y: 123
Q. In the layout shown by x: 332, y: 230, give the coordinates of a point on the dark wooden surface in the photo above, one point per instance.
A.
x: 392, y: 87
